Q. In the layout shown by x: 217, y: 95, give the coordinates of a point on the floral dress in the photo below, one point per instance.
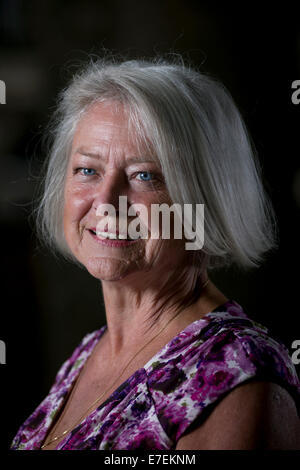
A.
x: 157, y: 404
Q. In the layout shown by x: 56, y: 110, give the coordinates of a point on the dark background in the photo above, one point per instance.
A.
x: 48, y: 305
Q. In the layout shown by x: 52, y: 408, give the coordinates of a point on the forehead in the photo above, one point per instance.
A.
x: 108, y: 123
x: 111, y: 114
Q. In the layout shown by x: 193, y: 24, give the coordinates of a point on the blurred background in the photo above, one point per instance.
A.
x: 47, y: 304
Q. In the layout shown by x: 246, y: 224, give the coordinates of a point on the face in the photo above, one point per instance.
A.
x: 106, y: 163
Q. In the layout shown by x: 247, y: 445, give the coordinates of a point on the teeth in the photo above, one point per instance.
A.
x: 112, y: 236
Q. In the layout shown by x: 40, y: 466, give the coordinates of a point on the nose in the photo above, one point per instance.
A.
x: 110, y: 187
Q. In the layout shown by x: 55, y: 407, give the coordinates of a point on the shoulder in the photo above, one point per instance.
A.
x: 245, y: 349
x: 255, y: 415
x: 211, y: 360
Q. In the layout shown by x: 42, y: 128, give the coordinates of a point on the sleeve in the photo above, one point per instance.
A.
x: 30, y: 432
x: 272, y: 362
x: 186, y: 387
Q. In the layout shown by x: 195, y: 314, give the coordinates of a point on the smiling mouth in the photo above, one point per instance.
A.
x: 112, y: 236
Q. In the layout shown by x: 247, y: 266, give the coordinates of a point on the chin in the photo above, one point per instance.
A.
x: 107, y: 269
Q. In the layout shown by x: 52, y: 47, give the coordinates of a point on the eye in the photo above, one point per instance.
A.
x: 145, y: 176
x: 85, y: 171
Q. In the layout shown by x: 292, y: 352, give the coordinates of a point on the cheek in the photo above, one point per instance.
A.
x: 77, y: 204
x: 150, y: 202
x: 165, y: 252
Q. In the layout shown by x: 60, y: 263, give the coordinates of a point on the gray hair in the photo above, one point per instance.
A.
x: 200, y: 139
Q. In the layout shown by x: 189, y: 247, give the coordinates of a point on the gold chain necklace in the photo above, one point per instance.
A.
x: 55, y: 438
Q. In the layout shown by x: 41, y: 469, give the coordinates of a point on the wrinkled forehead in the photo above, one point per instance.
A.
x: 112, y: 121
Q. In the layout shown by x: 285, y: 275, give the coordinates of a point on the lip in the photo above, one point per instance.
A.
x: 111, y: 242
x: 124, y: 236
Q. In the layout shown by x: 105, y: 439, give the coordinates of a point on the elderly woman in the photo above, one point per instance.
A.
x: 177, y: 365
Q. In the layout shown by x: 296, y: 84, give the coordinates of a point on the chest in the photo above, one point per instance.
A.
x: 93, y: 387
x: 98, y: 379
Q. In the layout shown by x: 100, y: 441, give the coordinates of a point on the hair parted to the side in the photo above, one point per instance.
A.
x: 200, y: 139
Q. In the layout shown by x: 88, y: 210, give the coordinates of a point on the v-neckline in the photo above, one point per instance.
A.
x: 203, y: 320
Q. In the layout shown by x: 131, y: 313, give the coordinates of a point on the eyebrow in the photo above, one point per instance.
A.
x: 133, y: 159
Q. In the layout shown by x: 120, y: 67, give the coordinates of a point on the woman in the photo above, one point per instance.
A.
x: 178, y: 365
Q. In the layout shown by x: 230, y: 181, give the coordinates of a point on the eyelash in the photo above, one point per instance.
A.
x: 78, y: 170
x: 149, y: 172
x: 154, y: 176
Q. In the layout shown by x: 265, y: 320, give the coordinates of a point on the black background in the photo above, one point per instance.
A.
x: 48, y: 305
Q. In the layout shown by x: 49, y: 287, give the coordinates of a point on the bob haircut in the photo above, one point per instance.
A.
x: 199, y: 138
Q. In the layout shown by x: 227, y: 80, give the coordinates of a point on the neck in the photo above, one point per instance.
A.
x: 135, y: 313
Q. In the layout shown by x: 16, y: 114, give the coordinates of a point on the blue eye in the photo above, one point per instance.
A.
x: 88, y: 171
x: 145, y: 175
